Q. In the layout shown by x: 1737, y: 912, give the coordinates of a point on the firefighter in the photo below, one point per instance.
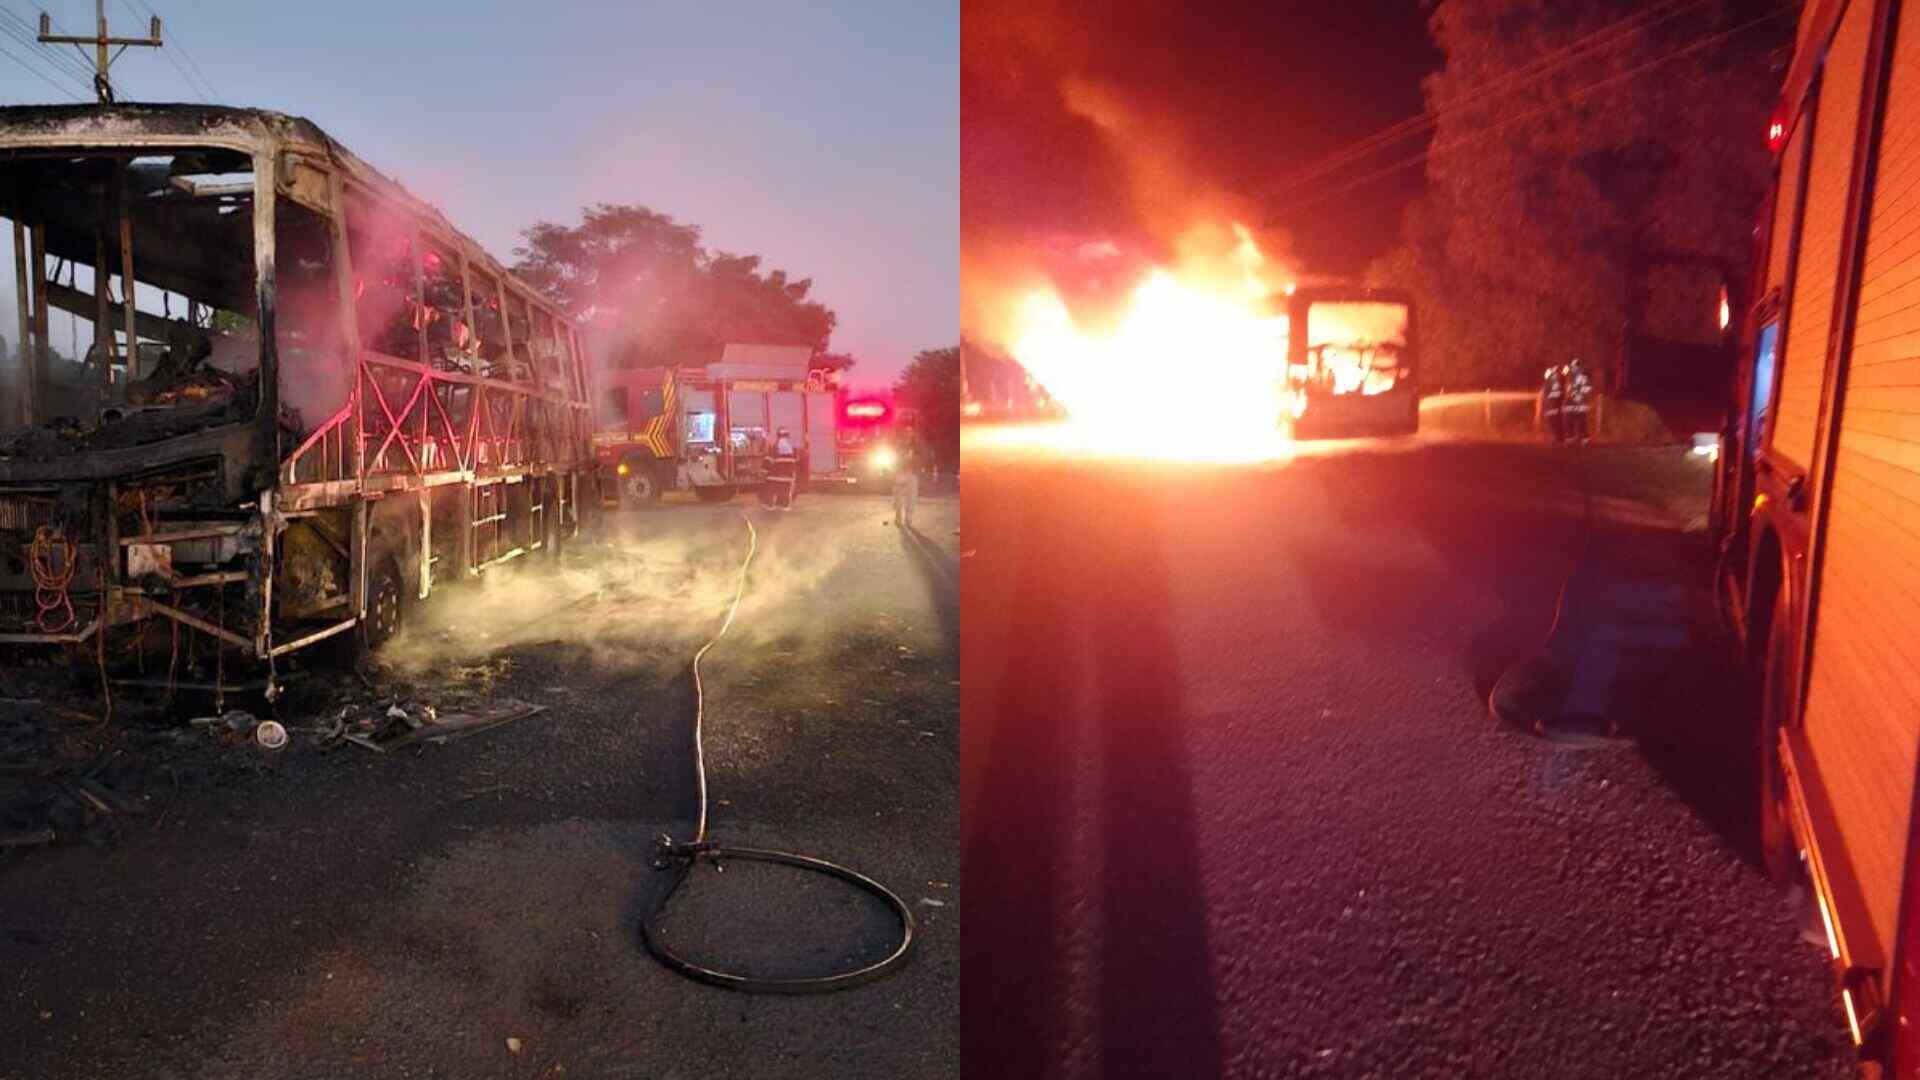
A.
x: 783, y: 473
x: 906, y: 477
x: 1553, y: 393
x: 1579, y: 393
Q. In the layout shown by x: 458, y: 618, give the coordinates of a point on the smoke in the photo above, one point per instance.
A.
x: 1147, y: 127
x: 630, y: 596
x: 1084, y: 164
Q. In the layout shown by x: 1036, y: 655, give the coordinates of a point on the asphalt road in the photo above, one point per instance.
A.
x: 347, y: 914
x: 1233, y: 803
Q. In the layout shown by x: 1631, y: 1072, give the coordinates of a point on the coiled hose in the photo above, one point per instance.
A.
x: 51, y: 578
x: 681, y: 857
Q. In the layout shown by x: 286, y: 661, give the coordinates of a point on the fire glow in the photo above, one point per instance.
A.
x: 1190, y: 368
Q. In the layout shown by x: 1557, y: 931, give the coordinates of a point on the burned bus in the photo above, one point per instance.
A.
x: 1817, y: 507
x: 293, y: 397
x: 1351, y: 362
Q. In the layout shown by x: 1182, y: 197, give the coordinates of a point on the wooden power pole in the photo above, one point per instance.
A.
x: 100, y: 41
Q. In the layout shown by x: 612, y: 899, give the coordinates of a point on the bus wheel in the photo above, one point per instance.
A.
x: 641, y: 485
x: 718, y: 493
x: 1777, y: 850
x: 386, y: 600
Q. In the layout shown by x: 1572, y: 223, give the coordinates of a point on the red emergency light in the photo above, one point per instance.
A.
x: 866, y: 411
x: 1777, y: 128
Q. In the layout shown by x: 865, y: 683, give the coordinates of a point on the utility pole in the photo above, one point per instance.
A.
x: 101, y: 39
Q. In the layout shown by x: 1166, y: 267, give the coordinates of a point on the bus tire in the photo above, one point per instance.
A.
x: 386, y: 609
x: 1778, y: 852
x: 718, y: 493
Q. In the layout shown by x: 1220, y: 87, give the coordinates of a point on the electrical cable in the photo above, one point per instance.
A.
x: 178, y: 46
x: 51, y: 578
x: 681, y: 857
x: 41, y: 75
x: 1506, y: 122
x: 1535, y: 70
x: 204, y: 86
x: 20, y: 30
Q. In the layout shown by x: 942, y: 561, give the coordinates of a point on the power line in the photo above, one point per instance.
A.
x: 1530, y: 73
x: 17, y: 27
x: 39, y: 74
x: 1572, y: 97
x: 39, y: 62
x: 204, y: 87
x: 20, y: 30
x: 171, y: 58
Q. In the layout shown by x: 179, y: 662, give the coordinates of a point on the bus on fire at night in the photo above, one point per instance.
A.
x: 1351, y: 362
x: 293, y: 396
x: 1817, y: 505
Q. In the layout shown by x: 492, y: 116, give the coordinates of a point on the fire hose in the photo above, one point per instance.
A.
x: 1560, y: 597
x: 680, y: 857
x: 51, y: 577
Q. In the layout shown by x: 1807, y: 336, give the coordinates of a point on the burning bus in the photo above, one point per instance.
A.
x: 304, y: 400
x: 1351, y: 361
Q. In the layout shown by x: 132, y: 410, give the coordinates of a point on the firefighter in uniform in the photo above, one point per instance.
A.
x: 783, y: 473
x: 906, y: 478
x: 1579, y: 394
x: 1553, y: 399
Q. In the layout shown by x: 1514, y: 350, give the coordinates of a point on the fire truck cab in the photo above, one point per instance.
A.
x: 710, y: 429
x: 871, y: 427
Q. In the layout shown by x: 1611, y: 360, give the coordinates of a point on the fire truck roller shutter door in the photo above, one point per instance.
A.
x: 823, y: 454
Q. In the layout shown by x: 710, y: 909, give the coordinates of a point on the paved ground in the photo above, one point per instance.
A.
x: 1233, y: 802
x: 353, y: 914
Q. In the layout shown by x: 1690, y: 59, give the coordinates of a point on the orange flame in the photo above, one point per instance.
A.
x: 1192, y: 369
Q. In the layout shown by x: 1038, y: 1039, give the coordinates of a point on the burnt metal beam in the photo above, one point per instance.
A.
x: 24, y: 352
x: 126, y: 275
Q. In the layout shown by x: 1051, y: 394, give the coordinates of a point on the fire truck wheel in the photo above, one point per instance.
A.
x: 1777, y: 850
x: 719, y: 493
x: 640, y: 487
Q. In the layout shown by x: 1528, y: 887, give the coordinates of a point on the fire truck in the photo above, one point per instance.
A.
x: 871, y: 426
x: 1817, y: 506
x: 710, y: 429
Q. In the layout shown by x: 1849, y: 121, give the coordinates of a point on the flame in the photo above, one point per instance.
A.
x: 1191, y: 369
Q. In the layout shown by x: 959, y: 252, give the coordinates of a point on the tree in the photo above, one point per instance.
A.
x: 931, y: 386
x: 1550, y: 197
x: 652, y: 295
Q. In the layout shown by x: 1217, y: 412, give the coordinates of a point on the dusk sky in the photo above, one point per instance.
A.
x: 822, y: 136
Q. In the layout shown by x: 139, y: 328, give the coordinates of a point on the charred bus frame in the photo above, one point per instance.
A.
x: 458, y: 438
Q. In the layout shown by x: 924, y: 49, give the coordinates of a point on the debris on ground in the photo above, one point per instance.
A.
x: 72, y: 776
x: 404, y: 725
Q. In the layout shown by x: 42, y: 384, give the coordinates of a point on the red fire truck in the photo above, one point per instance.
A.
x: 871, y: 427
x: 709, y: 429
x: 1817, y: 505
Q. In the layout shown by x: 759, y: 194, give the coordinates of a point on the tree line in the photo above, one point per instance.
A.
x: 1592, y: 181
